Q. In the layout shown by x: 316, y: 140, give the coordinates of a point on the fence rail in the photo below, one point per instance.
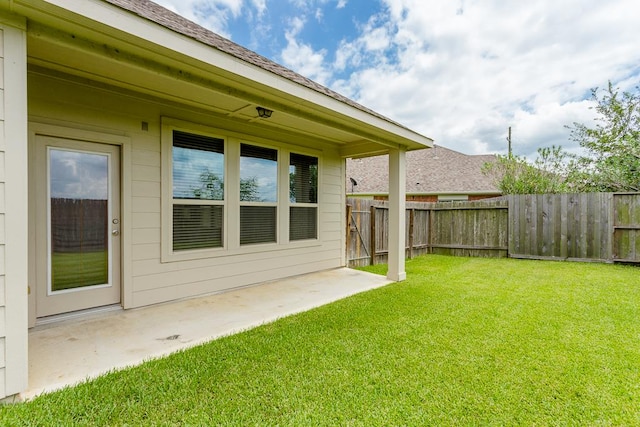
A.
x: 602, y: 227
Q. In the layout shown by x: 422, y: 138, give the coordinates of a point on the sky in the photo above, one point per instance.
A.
x: 458, y: 71
x: 78, y: 175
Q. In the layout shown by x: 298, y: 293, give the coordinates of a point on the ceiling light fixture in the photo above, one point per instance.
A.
x: 264, y: 113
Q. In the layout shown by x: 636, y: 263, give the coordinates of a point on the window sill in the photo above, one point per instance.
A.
x: 198, y: 254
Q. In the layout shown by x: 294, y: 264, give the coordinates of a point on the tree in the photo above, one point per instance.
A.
x: 612, y: 159
x: 212, y: 188
x: 516, y: 175
x: 249, y: 190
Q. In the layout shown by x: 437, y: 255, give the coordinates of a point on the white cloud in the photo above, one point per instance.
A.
x: 260, y: 6
x: 464, y: 71
x: 465, y: 74
x: 301, y: 57
x: 213, y: 14
x: 548, y: 125
x: 301, y: 4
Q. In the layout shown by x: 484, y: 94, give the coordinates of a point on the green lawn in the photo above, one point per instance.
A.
x: 76, y: 269
x: 463, y: 341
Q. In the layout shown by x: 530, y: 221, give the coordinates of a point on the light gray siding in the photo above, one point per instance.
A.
x: 59, y: 101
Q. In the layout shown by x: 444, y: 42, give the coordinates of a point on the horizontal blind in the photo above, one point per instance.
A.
x: 303, y: 223
x: 197, y: 142
x: 257, y: 224
x: 256, y: 152
x: 197, y: 226
x: 303, y: 178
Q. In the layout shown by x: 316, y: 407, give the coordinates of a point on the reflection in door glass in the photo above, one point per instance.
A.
x: 79, y: 219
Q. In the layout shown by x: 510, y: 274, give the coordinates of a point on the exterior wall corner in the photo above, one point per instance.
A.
x: 13, y: 206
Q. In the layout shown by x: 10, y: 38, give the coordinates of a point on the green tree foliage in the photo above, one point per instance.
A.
x: 515, y: 175
x: 612, y: 159
x: 212, y: 188
x: 298, y: 184
x: 249, y: 190
x: 610, y: 162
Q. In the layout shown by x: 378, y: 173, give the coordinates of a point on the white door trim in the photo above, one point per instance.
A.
x: 124, y: 142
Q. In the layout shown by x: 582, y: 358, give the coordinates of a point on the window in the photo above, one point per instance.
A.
x: 258, y: 194
x: 224, y: 194
x: 198, y: 191
x: 303, y: 197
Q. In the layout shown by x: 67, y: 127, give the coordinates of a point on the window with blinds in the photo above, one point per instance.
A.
x: 303, y: 197
x: 258, y: 194
x: 198, y: 191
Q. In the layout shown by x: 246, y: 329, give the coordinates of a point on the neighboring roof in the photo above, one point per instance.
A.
x: 168, y: 19
x: 431, y: 171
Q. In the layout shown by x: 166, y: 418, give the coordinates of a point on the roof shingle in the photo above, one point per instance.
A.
x: 153, y: 12
x: 430, y: 171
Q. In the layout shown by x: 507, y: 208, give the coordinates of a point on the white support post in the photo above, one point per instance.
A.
x: 13, y: 206
x: 397, y: 215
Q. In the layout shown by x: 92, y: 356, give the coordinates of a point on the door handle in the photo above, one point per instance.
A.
x: 115, y: 232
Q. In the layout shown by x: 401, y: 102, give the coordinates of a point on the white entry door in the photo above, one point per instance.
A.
x: 77, y: 225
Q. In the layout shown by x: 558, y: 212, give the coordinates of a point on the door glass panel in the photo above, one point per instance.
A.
x: 78, y: 219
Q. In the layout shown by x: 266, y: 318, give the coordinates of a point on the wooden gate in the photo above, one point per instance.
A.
x: 359, y: 225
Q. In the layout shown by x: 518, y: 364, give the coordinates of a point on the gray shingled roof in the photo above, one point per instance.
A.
x: 153, y: 12
x: 430, y: 171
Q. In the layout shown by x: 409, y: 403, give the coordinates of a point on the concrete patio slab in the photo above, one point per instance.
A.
x: 75, y: 349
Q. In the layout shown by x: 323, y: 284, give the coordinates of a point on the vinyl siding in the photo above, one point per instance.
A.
x: 149, y: 280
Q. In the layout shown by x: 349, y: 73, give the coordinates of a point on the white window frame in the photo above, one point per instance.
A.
x: 167, y: 203
x: 315, y: 205
x: 231, y: 211
x: 277, y: 204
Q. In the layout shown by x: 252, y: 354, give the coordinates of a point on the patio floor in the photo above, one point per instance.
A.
x: 69, y: 351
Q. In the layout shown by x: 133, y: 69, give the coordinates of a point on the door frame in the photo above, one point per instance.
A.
x: 37, y: 129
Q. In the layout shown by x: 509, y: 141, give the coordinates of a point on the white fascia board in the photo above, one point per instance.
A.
x: 129, y: 23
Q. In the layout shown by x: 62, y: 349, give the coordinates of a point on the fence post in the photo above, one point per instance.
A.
x: 411, y: 218
x: 430, y: 232
x: 373, y: 234
x: 348, y: 234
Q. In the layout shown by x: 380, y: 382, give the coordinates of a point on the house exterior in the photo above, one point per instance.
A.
x: 432, y: 175
x: 138, y: 165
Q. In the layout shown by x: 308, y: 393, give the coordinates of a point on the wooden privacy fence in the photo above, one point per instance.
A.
x: 578, y: 227
x: 601, y: 227
x: 79, y: 225
x: 476, y: 228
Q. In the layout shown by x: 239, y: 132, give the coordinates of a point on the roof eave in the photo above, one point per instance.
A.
x: 379, y: 134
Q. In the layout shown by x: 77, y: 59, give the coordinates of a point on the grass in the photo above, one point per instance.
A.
x: 77, y: 269
x: 463, y: 341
